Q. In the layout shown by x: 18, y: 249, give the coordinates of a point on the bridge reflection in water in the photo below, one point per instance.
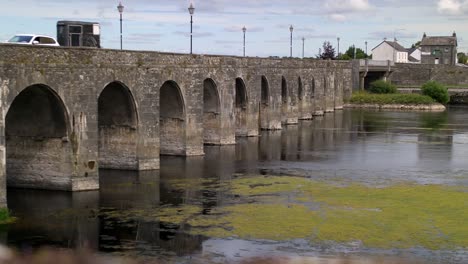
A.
x: 360, y: 146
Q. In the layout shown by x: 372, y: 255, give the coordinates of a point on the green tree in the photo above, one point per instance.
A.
x: 416, y: 45
x: 462, y: 58
x: 349, y: 54
x: 328, y: 52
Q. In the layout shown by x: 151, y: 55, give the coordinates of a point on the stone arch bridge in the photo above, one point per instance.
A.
x: 67, y: 112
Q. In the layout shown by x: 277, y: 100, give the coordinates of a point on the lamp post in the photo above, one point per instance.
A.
x: 303, y: 45
x: 191, y: 10
x: 291, y: 29
x: 354, y: 48
x: 338, y: 39
x: 366, y: 49
x: 244, y: 29
x: 120, y: 7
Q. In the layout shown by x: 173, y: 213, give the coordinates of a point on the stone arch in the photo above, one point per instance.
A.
x: 38, y: 149
x: 284, y: 90
x: 118, y: 128
x: 312, y: 88
x: 284, y: 100
x: 263, y: 119
x: 172, y: 125
x: 300, y: 89
x: 265, y: 91
x: 211, y: 113
x: 241, y: 107
x: 302, y: 104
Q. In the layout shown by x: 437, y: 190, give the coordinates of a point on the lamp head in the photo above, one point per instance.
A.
x: 120, y: 7
x: 191, y: 9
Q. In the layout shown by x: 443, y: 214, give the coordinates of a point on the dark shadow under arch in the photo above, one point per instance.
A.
x: 116, y: 106
x: 118, y: 123
x: 265, y: 92
x: 284, y: 90
x: 38, y: 150
x: 172, y: 120
x: 172, y: 103
x: 211, y: 113
x: 241, y: 107
x: 37, y: 112
x: 300, y: 90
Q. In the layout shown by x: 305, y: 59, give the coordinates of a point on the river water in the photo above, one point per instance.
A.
x: 234, y: 205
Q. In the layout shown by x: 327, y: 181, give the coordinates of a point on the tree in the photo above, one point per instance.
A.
x: 416, y: 45
x: 349, y: 54
x: 328, y: 51
x: 462, y: 58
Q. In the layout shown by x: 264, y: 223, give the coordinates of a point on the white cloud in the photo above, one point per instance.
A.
x: 340, y: 10
x: 337, y: 17
x: 347, y: 6
x: 452, y: 7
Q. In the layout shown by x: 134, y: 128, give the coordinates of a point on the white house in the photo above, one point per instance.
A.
x: 390, y: 50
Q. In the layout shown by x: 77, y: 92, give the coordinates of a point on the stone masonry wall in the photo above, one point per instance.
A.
x: 411, y: 75
x: 78, y: 76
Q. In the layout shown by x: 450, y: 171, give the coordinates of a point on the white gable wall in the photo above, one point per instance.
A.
x: 383, y: 52
x: 386, y: 52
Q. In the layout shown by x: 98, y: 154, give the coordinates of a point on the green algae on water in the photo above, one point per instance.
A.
x: 401, y: 216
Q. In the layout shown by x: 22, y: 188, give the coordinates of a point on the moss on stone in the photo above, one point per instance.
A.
x: 5, y: 217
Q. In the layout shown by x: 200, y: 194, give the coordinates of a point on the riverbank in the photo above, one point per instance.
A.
x: 393, y: 101
x: 419, y: 107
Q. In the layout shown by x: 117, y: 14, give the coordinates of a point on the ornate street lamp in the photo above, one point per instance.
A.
x: 191, y: 10
x: 120, y: 7
x: 291, y: 29
x: 366, y: 48
x: 338, y: 39
x: 303, y: 45
x: 244, y: 29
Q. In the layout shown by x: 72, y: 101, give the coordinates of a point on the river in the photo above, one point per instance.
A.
x: 353, y: 185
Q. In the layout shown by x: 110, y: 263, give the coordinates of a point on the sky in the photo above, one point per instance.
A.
x: 164, y: 25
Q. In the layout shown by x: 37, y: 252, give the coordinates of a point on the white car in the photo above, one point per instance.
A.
x: 31, y: 39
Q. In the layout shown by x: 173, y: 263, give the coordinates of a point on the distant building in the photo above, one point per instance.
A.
x: 390, y: 50
x: 79, y: 34
x: 439, y: 50
x: 414, y: 55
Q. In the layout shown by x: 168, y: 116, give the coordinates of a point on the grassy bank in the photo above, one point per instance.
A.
x: 383, y: 99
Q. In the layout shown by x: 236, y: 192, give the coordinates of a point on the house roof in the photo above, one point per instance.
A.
x: 412, y: 59
x: 411, y: 50
x: 439, y: 41
x: 392, y: 44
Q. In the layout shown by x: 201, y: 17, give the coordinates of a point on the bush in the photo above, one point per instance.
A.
x: 368, y: 98
x: 382, y: 87
x: 436, y: 91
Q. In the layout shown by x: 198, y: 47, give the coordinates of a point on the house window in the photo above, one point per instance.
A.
x: 446, y: 50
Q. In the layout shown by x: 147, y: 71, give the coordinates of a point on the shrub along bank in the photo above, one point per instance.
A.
x: 384, y: 95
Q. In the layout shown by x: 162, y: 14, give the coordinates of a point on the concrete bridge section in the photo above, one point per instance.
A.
x: 68, y: 112
x: 373, y: 70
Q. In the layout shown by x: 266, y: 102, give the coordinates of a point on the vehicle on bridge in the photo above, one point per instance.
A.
x: 32, y: 39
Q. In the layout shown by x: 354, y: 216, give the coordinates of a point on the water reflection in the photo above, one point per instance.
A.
x: 371, y: 147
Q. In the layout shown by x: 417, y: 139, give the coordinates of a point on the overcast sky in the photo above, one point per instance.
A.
x: 164, y: 25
